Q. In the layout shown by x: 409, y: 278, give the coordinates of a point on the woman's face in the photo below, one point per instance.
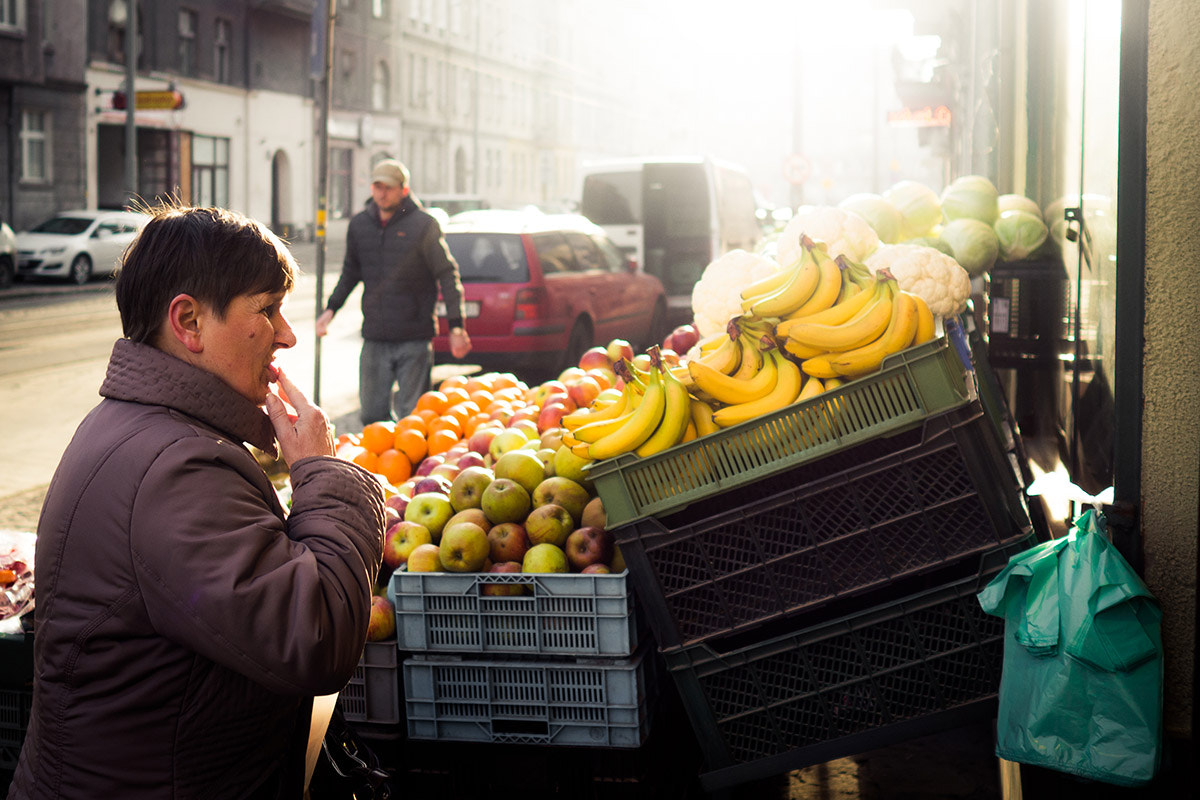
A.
x: 239, y: 349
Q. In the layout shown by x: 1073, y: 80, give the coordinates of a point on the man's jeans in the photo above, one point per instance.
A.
x: 383, y: 365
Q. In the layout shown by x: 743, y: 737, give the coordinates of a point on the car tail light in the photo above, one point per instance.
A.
x: 529, y: 302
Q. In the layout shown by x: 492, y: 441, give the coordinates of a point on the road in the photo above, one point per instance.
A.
x: 55, y: 343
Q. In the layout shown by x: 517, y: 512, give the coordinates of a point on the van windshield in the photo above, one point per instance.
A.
x: 613, y: 198
x: 489, y: 257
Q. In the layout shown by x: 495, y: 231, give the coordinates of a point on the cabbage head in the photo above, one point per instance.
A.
x: 936, y: 242
x: 1017, y: 202
x: 973, y: 244
x: 881, y: 215
x: 1020, y: 234
x: 971, y: 197
x: 919, y: 207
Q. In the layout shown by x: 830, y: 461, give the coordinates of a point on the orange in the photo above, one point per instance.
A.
x: 452, y: 382
x: 474, y: 422
x: 413, y: 422
x: 412, y: 443
x: 480, y: 383
x: 481, y: 397
x: 427, y: 414
x: 434, y: 401
x: 367, y: 460
x: 444, y: 423
x: 347, y: 438
x: 455, y: 395
x: 504, y: 380
x: 441, y: 440
x: 378, y: 436
x: 395, y: 466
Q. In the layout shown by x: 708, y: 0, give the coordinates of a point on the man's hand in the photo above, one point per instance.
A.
x: 460, y: 343
x: 322, y: 326
x: 303, y: 434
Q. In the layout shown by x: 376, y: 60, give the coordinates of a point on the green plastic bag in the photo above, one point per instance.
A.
x: 1081, y: 686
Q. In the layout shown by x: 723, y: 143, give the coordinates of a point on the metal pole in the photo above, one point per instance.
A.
x: 478, y: 45
x: 328, y: 9
x: 131, y: 33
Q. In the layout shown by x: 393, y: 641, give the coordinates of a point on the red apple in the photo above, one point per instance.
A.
x: 474, y: 515
x: 402, y: 538
x: 382, y: 624
x: 618, y: 349
x: 605, y: 377
x: 427, y: 465
x: 570, y: 374
x: 481, y: 439
x: 542, y: 392
x: 433, y: 483
x: 681, y: 339
x: 669, y: 357
x: 528, y: 412
x: 596, y: 569
x: 508, y: 542
x: 470, y: 459
x: 552, y: 414
x: 447, y: 469
x: 583, y: 390
x: 587, y: 546
x: 503, y: 589
x: 595, y: 357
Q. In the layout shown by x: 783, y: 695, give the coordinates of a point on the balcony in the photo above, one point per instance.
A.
x: 298, y: 9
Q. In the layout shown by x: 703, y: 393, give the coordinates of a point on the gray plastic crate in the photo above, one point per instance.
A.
x: 14, y: 719
x: 559, y: 614
x: 599, y: 704
x: 373, y: 694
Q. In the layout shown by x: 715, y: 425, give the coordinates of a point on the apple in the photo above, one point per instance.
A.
x: 475, y: 515
x: 470, y: 459
x: 642, y: 362
x: 618, y: 349
x: 425, y: 558
x: 593, y: 514
x: 587, y: 546
x: 505, y: 500
x: 401, y: 539
x: 570, y: 374
x: 569, y: 465
x: 481, y: 439
x: 669, y: 357
x: 595, y: 357
x: 544, y: 557
x: 681, y: 339
x: 596, y: 569
x: 467, y: 489
x: 432, y: 483
x: 551, y: 415
x: 431, y: 509
x: 464, y: 547
x: 618, y: 561
x: 546, y: 456
x: 501, y: 414
x: 503, y: 589
x: 427, y: 464
x: 390, y: 515
x: 455, y: 451
x: 552, y: 438
x: 563, y: 492
x: 527, y: 426
x: 508, y: 542
x: 505, y: 440
x: 541, y: 393
x: 382, y: 622
x: 549, y: 523
x: 605, y: 376
x: 447, y: 469
x: 522, y: 466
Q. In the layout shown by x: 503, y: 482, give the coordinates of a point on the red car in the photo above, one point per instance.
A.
x: 540, y: 289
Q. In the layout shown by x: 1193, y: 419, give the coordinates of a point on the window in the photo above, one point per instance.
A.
x: 554, y: 253
x: 222, y: 43
x: 339, y: 182
x: 118, y: 12
x: 381, y: 86
x: 187, y: 42
x: 35, y: 146
x: 10, y: 14
x: 587, y: 257
x: 210, y: 171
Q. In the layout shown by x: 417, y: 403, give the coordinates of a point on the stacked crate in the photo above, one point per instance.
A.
x: 809, y: 575
x: 560, y: 662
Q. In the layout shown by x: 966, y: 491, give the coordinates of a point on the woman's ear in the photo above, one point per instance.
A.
x: 184, y: 322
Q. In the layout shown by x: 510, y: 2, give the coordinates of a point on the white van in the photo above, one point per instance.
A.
x: 673, y: 216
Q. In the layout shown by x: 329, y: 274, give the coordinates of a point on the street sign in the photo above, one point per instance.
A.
x: 151, y: 101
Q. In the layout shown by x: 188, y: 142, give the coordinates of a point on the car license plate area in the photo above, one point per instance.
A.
x: 472, y: 308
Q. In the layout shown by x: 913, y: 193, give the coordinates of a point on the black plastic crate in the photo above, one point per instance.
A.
x: 1028, y: 312
x: 14, y: 719
x: 924, y: 500
x: 927, y: 662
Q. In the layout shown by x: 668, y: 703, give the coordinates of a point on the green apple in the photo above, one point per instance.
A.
x: 466, y: 491
x: 522, y: 466
x: 563, y: 492
x: 505, y: 440
x: 464, y: 547
x: 568, y: 465
x: 594, y: 515
x: 544, y: 557
x: 426, y: 558
x: 431, y: 509
x: 505, y: 500
x: 549, y: 523
x: 401, y: 539
x: 475, y: 515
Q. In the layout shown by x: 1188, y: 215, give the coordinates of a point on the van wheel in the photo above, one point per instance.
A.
x: 577, y: 344
x: 658, y: 326
x: 81, y: 270
x: 7, y: 273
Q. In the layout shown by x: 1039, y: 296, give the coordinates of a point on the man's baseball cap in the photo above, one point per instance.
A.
x: 391, y: 172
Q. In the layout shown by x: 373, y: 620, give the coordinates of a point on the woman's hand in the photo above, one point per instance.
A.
x: 303, y: 434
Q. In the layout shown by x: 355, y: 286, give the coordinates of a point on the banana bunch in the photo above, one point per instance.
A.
x: 852, y: 337
x: 812, y: 284
x: 757, y: 380
x: 652, y: 413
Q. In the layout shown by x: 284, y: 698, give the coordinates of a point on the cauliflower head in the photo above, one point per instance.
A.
x: 927, y: 272
x: 717, y: 296
x: 843, y: 232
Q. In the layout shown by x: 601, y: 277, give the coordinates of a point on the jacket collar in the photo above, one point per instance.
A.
x: 141, y: 373
x: 407, y: 206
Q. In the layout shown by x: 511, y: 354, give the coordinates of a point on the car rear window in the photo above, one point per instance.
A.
x: 489, y: 257
x: 65, y: 225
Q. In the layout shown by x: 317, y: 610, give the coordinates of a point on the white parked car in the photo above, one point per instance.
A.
x: 76, y: 245
x: 8, y: 255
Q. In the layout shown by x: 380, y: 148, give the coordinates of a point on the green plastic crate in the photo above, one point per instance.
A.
x: 911, y: 386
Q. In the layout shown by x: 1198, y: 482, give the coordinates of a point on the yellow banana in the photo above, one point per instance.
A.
x: 730, y: 390
x: 711, y: 342
x: 849, y: 289
x: 594, y: 431
x: 592, y: 413
x: 782, y: 394
x: 689, y: 432
x: 751, y: 359
x: 764, y: 287
x: 819, y: 367
x: 638, y: 427
x: 676, y: 417
x: 833, y: 383
x: 926, y: 327
x: 857, y: 272
x: 725, y: 358
x: 812, y: 388
x: 702, y: 418
x: 864, y: 327
x: 899, y: 335
x: 795, y: 292
x: 829, y: 285
x: 840, y: 312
